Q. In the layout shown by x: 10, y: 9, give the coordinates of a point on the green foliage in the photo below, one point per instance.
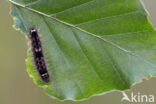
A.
x: 90, y: 46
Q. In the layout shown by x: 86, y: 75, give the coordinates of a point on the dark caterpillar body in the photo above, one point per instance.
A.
x: 38, y: 55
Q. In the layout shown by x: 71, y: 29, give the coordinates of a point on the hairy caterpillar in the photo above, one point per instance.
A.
x: 38, y: 55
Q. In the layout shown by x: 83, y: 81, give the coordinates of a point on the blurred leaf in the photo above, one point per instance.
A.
x: 90, y: 46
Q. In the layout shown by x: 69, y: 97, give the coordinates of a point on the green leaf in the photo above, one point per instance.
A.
x: 90, y: 46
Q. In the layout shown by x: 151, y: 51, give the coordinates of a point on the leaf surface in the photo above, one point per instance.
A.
x: 90, y: 46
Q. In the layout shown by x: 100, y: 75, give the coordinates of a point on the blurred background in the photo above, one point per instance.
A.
x: 16, y: 87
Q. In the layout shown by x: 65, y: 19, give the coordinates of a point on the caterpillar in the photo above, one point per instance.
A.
x: 38, y: 55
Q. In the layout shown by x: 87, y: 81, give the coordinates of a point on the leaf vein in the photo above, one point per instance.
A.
x: 71, y: 8
x: 86, y: 55
x: 109, y: 17
x: 65, y: 59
